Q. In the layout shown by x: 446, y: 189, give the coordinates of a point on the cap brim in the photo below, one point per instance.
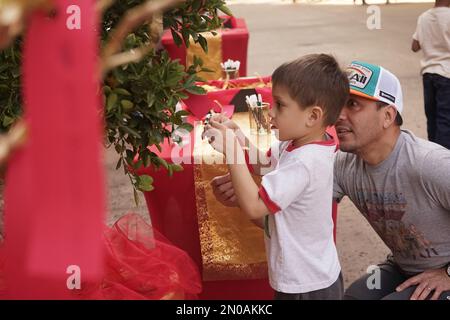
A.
x: 362, y: 95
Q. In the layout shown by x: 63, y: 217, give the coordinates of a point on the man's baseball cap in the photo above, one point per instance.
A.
x: 375, y: 83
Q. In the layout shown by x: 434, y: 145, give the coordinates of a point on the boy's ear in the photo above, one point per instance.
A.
x: 315, y: 115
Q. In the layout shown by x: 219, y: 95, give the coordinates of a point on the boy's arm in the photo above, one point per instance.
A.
x: 262, y: 160
x: 255, y: 165
x: 259, y: 222
x: 246, y: 190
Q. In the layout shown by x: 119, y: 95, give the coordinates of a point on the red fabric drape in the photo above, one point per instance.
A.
x: 54, y: 194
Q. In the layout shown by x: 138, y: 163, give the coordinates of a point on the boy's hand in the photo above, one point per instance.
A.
x: 223, y: 119
x: 220, y: 137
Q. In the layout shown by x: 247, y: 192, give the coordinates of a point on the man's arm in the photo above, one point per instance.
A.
x: 435, y: 178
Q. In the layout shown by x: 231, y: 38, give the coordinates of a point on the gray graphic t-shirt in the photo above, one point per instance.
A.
x: 406, y: 199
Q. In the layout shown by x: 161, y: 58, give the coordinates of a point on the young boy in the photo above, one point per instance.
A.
x: 296, y: 195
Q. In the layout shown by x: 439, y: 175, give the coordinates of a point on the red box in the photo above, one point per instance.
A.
x: 234, y: 43
x: 199, y: 105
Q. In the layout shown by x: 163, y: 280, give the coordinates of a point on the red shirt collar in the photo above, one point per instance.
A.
x: 330, y: 142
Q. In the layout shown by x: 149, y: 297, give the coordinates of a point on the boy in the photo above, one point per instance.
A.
x: 309, y: 94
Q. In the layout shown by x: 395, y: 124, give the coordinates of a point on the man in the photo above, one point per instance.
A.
x: 400, y: 183
x: 433, y: 37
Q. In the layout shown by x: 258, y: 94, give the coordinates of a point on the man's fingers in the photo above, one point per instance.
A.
x: 425, y: 293
x: 221, y: 180
x: 231, y: 202
x: 421, y: 290
x: 224, y: 187
x: 219, y: 195
x: 408, y: 283
x: 229, y: 193
x: 437, y: 294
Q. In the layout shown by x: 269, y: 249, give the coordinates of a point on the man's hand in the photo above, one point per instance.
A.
x: 435, y: 280
x: 224, y: 191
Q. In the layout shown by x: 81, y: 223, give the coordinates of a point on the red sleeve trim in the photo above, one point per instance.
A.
x: 247, y: 161
x: 269, y: 153
x: 272, y: 206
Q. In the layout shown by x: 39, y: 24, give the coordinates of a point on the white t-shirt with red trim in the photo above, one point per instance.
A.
x: 301, y: 252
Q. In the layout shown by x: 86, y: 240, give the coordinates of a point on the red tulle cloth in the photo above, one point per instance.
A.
x: 140, y: 264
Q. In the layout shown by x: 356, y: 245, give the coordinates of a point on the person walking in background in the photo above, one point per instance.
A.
x: 432, y: 36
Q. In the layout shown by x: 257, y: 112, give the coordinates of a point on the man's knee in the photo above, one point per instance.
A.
x: 402, y: 295
x: 360, y: 290
x: 408, y: 292
x: 381, y: 281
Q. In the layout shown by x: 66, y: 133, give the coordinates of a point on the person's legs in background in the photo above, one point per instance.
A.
x: 442, y: 98
x: 430, y: 105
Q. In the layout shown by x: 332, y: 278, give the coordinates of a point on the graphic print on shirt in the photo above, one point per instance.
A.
x: 385, y: 212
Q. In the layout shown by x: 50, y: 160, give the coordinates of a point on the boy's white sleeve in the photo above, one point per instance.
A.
x: 283, y: 186
x: 338, y: 176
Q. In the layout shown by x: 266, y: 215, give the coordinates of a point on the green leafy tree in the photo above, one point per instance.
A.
x: 139, y: 98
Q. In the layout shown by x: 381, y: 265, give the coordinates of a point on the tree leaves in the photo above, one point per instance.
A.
x: 144, y: 183
x: 176, y: 38
x: 196, y: 90
x: 226, y: 10
x: 111, y: 102
x: 127, y: 104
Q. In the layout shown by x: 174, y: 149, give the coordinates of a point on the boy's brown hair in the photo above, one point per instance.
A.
x: 315, y: 80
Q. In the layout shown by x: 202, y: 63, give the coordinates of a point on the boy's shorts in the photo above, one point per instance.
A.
x: 333, y: 292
